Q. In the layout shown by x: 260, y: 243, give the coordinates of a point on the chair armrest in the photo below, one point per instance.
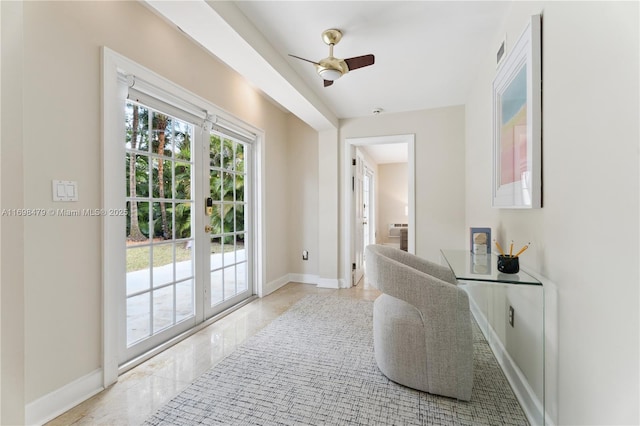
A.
x: 413, y: 285
x: 434, y: 269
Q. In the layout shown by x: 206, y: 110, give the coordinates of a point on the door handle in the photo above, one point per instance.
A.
x: 208, y: 229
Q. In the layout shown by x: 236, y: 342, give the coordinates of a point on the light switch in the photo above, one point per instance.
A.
x: 64, y: 190
x: 61, y: 191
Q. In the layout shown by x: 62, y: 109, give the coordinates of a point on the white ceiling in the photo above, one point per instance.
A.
x: 426, y: 52
x: 387, y: 153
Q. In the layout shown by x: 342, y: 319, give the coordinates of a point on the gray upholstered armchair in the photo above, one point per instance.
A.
x: 422, y: 334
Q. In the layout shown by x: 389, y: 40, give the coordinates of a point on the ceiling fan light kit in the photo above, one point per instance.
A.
x: 328, y: 74
x: 332, y: 68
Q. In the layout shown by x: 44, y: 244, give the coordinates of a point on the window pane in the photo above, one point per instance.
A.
x: 216, y: 219
x: 227, y: 187
x: 182, y: 148
x: 229, y: 254
x: 216, y: 287
x: 141, y: 176
x: 229, y: 217
x: 162, y: 264
x: 160, y: 124
x: 184, y: 260
x: 137, y: 222
x: 229, y: 282
x: 162, y: 178
x: 162, y: 220
x: 241, y: 254
x: 182, y: 217
x: 240, y: 157
x: 227, y: 154
x: 239, y: 187
x: 184, y: 300
x: 138, y: 269
x: 240, y: 220
x: 138, y: 318
x: 183, y: 181
x: 215, y: 183
x: 162, y: 308
x: 241, y: 277
x: 215, y: 151
x: 216, y: 253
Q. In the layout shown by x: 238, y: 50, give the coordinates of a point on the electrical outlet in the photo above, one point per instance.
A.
x: 305, y: 255
x: 511, y: 315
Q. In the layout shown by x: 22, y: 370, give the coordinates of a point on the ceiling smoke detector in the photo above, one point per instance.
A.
x: 377, y: 111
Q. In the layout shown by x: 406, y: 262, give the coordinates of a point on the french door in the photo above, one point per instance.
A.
x: 228, y: 235
x: 188, y: 227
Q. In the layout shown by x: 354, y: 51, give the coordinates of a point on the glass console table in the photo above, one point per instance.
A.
x: 509, y: 310
x: 469, y: 267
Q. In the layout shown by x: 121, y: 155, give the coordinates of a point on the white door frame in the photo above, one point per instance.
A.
x: 348, y: 199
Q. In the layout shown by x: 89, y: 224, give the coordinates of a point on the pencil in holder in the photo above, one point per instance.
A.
x: 508, y: 264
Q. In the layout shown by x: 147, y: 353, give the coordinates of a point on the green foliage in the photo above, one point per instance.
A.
x: 226, y: 177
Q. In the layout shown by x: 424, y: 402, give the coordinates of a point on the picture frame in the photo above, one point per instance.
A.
x: 517, y: 124
x: 474, y: 233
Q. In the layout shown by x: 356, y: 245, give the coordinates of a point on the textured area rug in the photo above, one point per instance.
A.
x: 314, y: 365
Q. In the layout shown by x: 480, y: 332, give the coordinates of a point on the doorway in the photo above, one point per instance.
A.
x: 353, y: 206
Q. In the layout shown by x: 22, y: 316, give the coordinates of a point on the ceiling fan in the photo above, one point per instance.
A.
x: 331, y: 68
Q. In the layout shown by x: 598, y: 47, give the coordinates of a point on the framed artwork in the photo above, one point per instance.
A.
x: 480, y: 240
x: 517, y: 116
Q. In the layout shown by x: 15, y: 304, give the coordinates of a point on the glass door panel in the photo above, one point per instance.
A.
x: 159, y: 239
x: 228, y: 260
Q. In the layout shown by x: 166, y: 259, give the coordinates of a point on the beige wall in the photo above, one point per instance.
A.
x: 439, y: 170
x: 392, y: 198
x: 62, y: 256
x: 585, y: 238
x: 302, y: 166
x: 12, y: 227
x: 328, y: 201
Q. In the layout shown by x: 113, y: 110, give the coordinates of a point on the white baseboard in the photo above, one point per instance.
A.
x: 272, y: 286
x: 328, y: 282
x: 300, y: 278
x: 529, y: 401
x: 303, y: 278
x: 50, y: 406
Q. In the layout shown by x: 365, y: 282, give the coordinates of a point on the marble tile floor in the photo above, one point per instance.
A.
x: 145, y: 388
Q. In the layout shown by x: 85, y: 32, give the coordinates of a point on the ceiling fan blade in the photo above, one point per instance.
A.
x: 298, y: 57
x: 328, y: 83
x: 359, y: 62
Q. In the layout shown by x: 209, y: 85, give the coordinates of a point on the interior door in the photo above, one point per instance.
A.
x: 359, y: 218
x: 369, y: 208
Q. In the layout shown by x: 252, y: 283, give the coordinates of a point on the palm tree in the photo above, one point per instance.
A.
x: 161, y: 122
x: 135, y: 234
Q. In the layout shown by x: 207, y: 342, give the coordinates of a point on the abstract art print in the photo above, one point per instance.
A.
x: 517, y: 114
